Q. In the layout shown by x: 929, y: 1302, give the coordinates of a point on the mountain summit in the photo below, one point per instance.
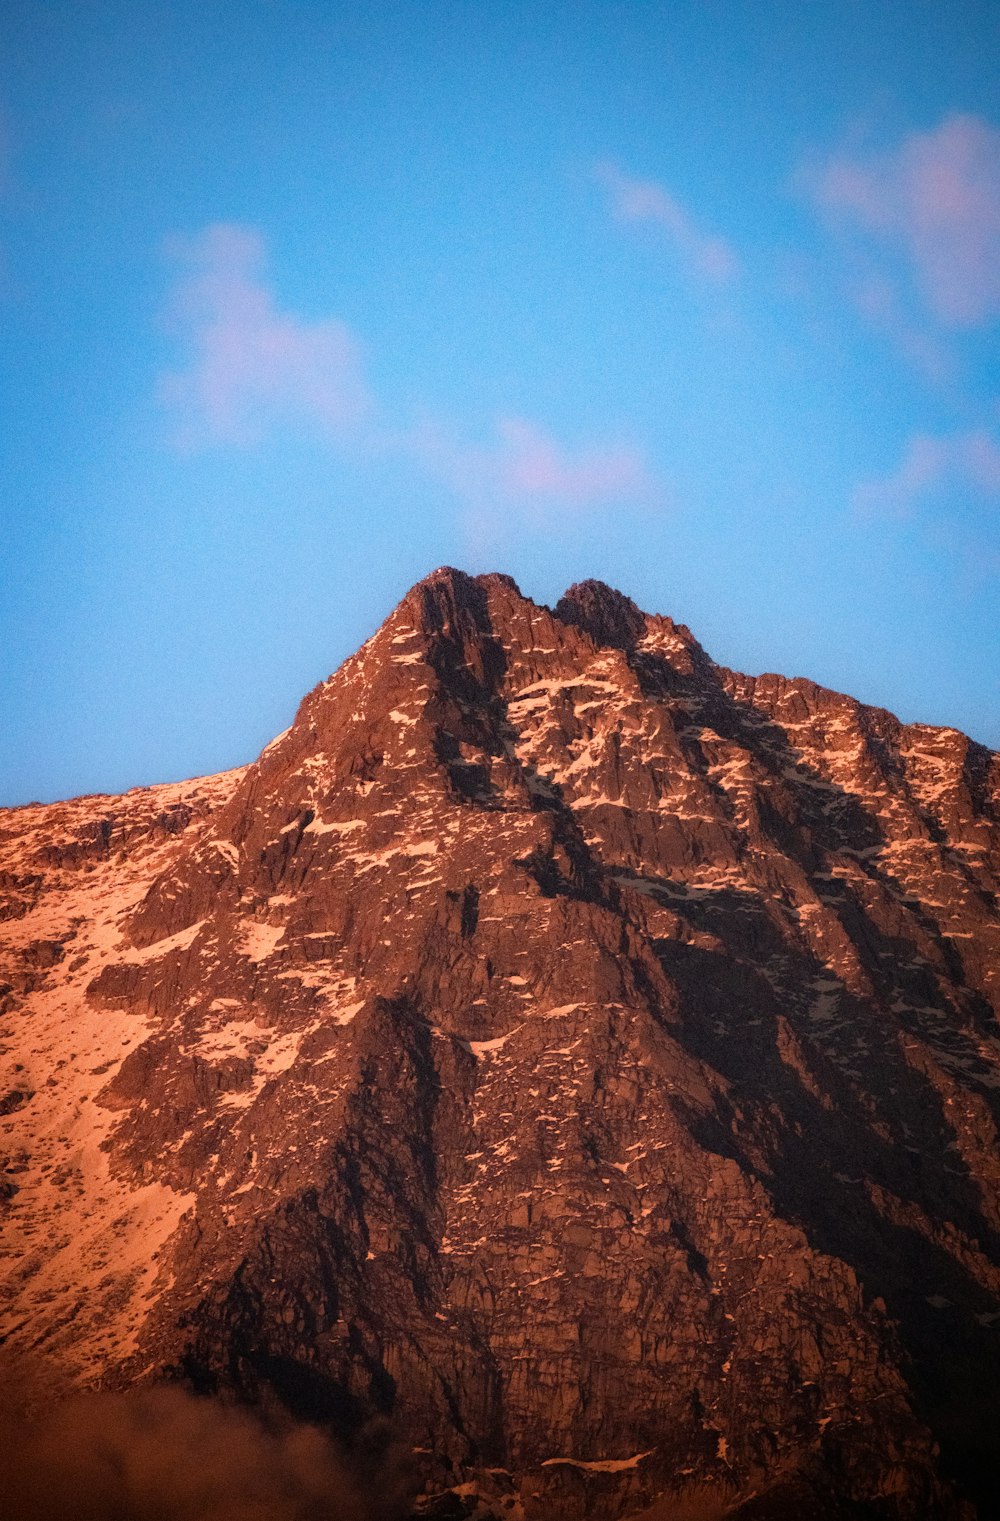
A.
x: 574, y: 1051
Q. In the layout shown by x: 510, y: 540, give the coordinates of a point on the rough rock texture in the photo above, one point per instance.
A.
x: 581, y: 1053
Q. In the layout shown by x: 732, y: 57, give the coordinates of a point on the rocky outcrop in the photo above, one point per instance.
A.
x: 579, y: 1053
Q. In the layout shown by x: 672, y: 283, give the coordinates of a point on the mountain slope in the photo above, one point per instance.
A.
x: 580, y: 1052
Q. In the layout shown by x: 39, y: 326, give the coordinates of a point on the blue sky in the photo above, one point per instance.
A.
x: 300, y: 302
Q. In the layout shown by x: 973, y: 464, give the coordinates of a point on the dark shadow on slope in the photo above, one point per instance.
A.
x: 334, y: 1313
x: 469, y: 661
x: 824, y: 821
x: 794, y: 1120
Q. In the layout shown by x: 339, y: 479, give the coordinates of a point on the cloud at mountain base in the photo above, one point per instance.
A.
x: 162, y: 1454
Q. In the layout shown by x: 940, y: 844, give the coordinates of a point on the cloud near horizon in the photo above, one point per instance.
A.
x: 526, y: 465
x: 632, y: 200
x: 252, y: 367
x: 934, y: 200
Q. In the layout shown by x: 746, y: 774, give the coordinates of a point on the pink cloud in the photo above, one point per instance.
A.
x: 880, y: 302
x: 963, y: 462
x: 936, y: 198
x: 528, y: 467
x: 634, y: 200
x: 981, y: 462
x: 251, y: 365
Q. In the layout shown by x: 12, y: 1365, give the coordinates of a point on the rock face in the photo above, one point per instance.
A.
x: 580, y: 1053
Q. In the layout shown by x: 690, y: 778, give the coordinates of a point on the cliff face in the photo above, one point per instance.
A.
x: 581, y: 1053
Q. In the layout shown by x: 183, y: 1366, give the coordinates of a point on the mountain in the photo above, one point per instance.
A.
x: 574, y: 1051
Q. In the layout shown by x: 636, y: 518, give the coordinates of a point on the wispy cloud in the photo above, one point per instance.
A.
x: 252, y: 367
x: 632, y: 200
x: 880, y: 301
x: 249, y: 364
x: 526, y: 466
x: 961, y: 463
x: 935, y: 199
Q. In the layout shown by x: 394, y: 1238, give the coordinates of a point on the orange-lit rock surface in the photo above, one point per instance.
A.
x: 584, y: 1054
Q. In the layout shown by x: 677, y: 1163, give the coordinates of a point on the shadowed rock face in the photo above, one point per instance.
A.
x: 580, y: 1053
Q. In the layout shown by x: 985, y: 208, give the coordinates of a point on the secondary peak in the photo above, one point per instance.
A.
x: 607, y: 615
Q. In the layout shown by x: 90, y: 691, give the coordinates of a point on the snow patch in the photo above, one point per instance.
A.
x: 602, y: 1465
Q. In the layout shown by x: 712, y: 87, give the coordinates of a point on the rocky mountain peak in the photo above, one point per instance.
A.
x: 607, y: 616
x: 579, y: 1054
